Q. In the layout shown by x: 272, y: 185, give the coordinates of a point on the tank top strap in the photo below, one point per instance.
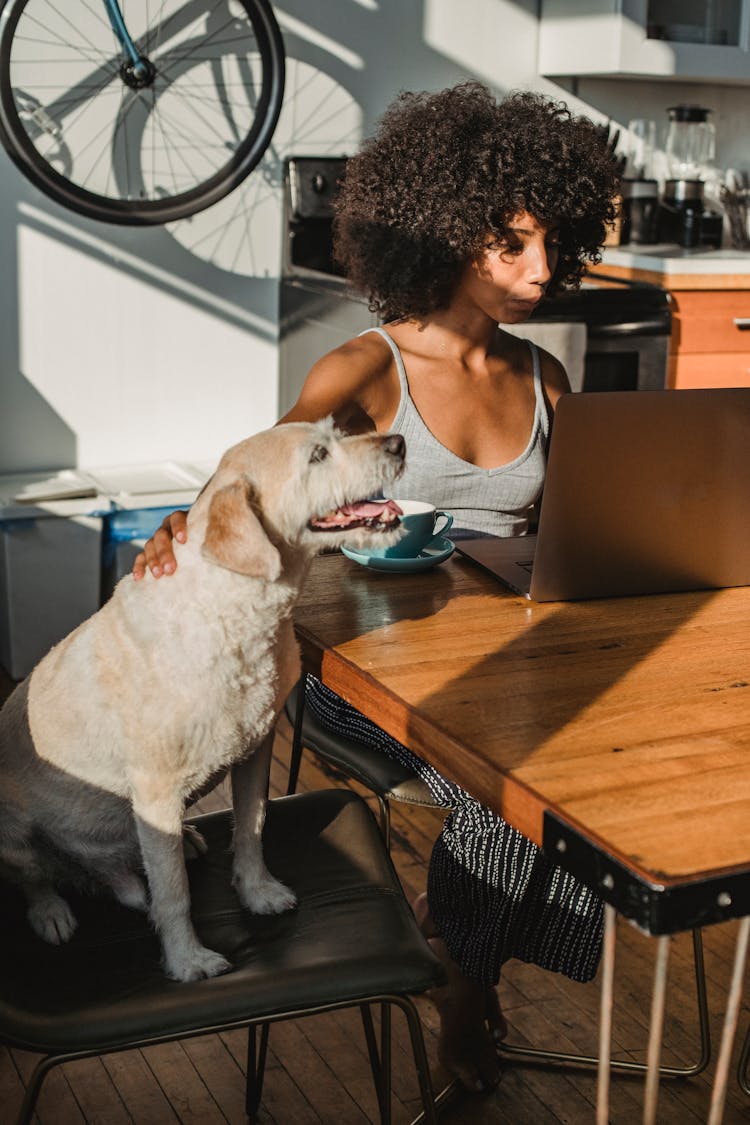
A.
x: 542, y: 412
x: 403, y: 381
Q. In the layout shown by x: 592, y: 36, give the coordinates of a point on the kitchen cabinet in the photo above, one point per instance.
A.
x: 689, y: 40
x: 710, y: 345
x: 710, y: 295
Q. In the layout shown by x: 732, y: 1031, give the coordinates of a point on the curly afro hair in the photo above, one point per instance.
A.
x: 444, y: 172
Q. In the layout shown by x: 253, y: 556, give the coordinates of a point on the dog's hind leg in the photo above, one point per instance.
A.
x: 48, y: 913
x: 159, y: 824
x: 129, y: 889
x: 256, y: 888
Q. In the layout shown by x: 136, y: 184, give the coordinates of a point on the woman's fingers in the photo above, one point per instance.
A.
x: 158, y: 551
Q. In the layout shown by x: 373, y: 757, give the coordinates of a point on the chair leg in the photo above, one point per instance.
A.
x: 590, y: 1061
x: 296, y: 754
x: 742, y: 1076
x: 386, y: 1058
x: 380, y: 1061
x: 28, y: 1105
x: 256, y: 1068
x: 422, y: 1066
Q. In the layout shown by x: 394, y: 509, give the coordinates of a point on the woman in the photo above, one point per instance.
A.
x: 457, y: 216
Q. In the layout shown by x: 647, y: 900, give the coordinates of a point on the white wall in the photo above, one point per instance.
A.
x: 123, y: 345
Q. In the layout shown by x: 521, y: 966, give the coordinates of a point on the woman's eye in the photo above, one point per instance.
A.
x: 318, y: 454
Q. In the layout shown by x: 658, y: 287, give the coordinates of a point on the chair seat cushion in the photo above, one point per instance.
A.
x: 351, y: 936
x: 372, y: 768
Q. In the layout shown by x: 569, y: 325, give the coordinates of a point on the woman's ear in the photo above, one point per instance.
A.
x: 235, y: 538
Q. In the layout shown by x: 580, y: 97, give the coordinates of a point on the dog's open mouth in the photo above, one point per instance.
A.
x: 378, y: 515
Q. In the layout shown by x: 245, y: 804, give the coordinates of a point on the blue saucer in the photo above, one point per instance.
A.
x: 441, y: 550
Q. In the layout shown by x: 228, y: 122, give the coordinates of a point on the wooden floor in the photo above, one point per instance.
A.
x: 318, y: 1072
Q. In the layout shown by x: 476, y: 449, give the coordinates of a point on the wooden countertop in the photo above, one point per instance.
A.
x: 676, y: 269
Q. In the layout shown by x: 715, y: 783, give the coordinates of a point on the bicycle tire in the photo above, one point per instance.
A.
x: 128, y: 196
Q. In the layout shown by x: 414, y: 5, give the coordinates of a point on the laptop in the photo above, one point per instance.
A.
x: 646, y: 492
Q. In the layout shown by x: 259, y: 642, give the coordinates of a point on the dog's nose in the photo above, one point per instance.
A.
x: 396, y: 445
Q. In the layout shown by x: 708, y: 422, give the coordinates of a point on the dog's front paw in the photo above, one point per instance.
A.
x: 51, y: 918
x: 197, y: 964
x: 269, y: 896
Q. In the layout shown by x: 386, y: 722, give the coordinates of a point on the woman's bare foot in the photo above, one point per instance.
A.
x: 493, y: 1014
x: 470, y: 1017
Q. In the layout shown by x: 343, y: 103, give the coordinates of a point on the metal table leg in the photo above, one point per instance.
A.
x: 719, y: 1092
x: 656, y: 1031
x: 605, y: 1015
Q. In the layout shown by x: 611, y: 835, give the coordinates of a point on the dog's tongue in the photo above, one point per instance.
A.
x: 362, y: 510
x: 372, y: 509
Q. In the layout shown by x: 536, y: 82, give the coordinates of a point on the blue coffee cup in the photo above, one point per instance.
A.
x: 420, y: 530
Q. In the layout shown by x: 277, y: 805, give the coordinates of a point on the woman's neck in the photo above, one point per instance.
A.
x: 450, y: 332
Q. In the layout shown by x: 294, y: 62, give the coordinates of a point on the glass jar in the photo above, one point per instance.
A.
x: 691, y: 141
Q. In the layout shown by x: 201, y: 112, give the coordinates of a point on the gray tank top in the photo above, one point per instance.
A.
x: 482, y: 501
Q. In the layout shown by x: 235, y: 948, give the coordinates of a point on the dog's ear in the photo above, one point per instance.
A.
x: 235, y: 538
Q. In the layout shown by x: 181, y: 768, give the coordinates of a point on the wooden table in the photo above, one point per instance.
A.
x: 615, y: 733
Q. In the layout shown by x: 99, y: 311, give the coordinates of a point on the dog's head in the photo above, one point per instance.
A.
x: 300, y: 487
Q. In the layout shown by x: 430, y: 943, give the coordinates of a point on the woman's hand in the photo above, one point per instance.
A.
x: 158, y: 552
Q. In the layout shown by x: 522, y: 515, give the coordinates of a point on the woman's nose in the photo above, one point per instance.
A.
x: 540, y: 265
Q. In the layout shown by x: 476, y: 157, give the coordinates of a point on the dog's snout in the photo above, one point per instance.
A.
x: 395, y: 444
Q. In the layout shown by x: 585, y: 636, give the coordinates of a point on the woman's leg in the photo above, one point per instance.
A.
x: 491, y: 895
x: 471, y: 1021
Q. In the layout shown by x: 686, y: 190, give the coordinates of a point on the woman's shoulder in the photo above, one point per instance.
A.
x: 354, y: 377
x: 520, y: 350
x: 363, y: 359
x: 554, y: 376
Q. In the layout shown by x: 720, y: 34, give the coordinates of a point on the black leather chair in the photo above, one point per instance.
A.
x: 386, y: 778
x: 389, y: 781
x: 351, y: 941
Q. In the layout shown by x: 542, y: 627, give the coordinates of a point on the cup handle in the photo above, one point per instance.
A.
x: 439, y: 534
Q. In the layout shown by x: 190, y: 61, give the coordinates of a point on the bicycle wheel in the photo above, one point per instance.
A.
x: 140, y: 151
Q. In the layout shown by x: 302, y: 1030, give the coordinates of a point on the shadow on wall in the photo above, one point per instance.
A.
x: 83, y: 347
x: 27, y: 419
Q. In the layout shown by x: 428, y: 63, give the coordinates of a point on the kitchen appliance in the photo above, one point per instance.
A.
x: 640, y: 211
x: 638, y: 189
x: 628, y: 324
x: 691, y: 141
x: 680, y: 213
x: 690, y: 148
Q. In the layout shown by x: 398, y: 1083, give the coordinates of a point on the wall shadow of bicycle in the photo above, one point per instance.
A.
x: 80, y: 295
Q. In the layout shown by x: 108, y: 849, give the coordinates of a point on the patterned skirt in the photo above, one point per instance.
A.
x: 492, y: 894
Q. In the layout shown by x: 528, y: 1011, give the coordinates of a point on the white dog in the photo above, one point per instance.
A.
x: 174, y: 682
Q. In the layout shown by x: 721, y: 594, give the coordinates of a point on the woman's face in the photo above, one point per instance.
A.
x: 507, y: 280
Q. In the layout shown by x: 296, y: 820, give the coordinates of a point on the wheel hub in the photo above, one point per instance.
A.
x: 139, y: 74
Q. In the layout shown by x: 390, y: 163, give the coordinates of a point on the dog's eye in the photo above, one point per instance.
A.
x: 318, y: 454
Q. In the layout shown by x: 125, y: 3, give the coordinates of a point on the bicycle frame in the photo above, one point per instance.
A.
x: 123, y: 35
